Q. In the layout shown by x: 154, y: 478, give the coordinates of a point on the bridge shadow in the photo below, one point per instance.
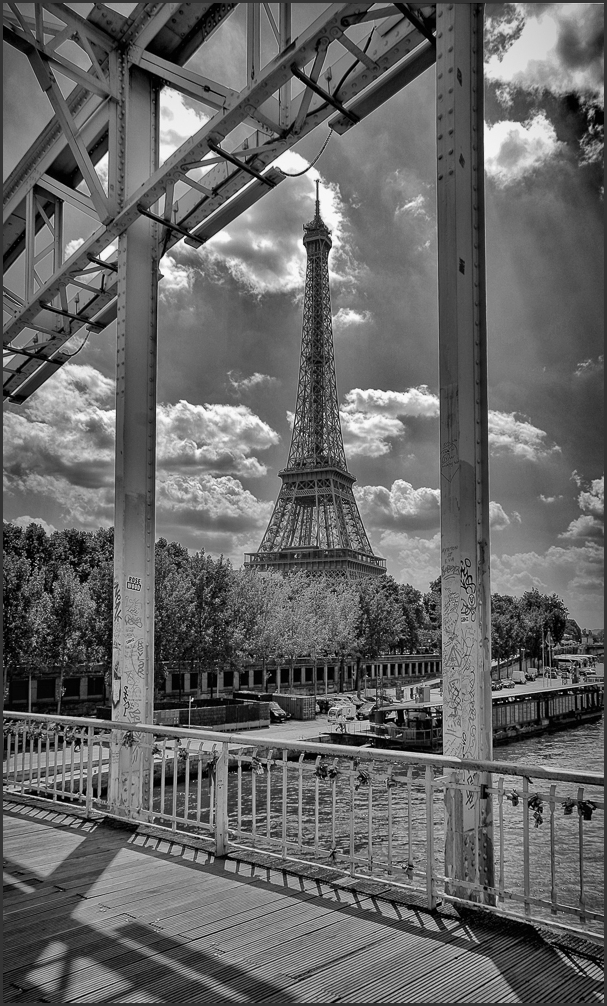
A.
x: 62, y: 955
x: 72, y: 944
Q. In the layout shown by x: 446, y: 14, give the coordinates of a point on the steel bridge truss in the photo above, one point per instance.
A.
x: 95, y: 168
x: 77, y: 165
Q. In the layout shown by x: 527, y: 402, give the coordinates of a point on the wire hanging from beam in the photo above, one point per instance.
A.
x: 296, y: 174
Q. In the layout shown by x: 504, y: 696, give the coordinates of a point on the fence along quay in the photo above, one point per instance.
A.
x: 369, y: 814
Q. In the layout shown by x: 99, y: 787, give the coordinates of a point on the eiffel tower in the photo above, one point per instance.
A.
x: 315, y: 524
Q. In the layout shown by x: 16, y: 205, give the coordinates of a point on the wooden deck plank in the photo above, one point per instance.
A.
x: 102, y: 915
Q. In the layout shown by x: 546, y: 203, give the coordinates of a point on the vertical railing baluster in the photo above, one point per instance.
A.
x: 47, y: 757
x: 409, y: 825
x: 31, y: 759
x: 8, y: 736
x: 352, y: 831
x: 333, y: 807
x: 316, y: 802
x: 390, y: 784
x: 580, y: 799
x: 370, y: 825
x: 300, y: 803
x: 553, y: 895
x: 199, y: 787
x: 526, y: 851
x: 186, y: 795
x: 39, y: 776
x: 55, y: 773
x: 268, y: 793
x: 221, y: 801
x: 254, y: 799
x: 430, y: 837
x: 81, y: 772
x: 100, y: 768
x: 500, y: 812
x: 285, y: 782
x: 239, y: 795
x: 72, y: 767
x: 174, y: 793
x: 90, y: 738
x: 162, y: 776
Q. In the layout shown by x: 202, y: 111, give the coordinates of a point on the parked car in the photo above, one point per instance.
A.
x: 365, y: 711
x: 530, y: 675
x: 496, y: 686
x: 277, y: 713
x: 508, y: 683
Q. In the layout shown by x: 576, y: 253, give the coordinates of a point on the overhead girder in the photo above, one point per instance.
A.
x: 159, y: 41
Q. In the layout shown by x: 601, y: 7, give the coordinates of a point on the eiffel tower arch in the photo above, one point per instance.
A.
x: 316, y: 524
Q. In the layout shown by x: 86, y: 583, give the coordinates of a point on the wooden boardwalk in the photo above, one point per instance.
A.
x: 95, y: 913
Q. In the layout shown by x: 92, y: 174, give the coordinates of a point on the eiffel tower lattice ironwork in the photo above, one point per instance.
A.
x: 316, y: 524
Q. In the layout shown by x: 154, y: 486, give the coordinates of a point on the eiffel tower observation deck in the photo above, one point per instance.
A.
x: 315, y: 524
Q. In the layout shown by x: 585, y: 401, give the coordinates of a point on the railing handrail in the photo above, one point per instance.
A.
x: 318, y: 748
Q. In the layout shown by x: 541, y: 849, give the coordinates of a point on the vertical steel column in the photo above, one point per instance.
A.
x: 284, y: 95
x: 464, y: 455
x: 253, y: 41
x: 133, y: 660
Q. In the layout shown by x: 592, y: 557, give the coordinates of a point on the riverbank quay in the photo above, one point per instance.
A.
x: 105, y: 911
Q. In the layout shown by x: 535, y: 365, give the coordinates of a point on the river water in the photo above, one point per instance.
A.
x: 319, y: 813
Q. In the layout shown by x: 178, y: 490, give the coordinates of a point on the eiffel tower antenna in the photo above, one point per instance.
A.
x: 315, y: 524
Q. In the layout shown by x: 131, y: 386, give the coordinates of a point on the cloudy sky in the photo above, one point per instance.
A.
x: 230, y: 327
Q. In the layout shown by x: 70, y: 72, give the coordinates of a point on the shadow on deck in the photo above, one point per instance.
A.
x: 95, y: 913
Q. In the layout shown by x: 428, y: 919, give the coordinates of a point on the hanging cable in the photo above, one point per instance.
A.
x: 296, y: 174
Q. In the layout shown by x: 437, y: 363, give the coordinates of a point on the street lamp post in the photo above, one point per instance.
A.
x: 189, y: 710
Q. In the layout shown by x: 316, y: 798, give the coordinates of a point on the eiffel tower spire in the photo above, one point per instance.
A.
x: 316, y: 524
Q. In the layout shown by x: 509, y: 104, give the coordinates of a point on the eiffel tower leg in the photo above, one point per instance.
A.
x: 466, y: 651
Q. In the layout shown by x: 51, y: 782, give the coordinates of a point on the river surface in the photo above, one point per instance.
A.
x: 320, y: 812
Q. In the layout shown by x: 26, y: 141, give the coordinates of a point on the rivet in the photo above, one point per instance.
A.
x: 450, y: 90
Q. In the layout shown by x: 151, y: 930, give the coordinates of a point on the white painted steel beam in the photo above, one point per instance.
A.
x: 134, y: 521
x: 464, y: 455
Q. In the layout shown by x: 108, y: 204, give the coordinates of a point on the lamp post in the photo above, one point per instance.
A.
x: 189, y: 710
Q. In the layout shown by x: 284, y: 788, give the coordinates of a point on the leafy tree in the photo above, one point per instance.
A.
x: 380, y: 621
x: 68, y: 637
x: 507, y: 628
x: 542, y: 613
x: 23, y: 613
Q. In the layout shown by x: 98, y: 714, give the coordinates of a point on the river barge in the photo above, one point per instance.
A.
x: 418, y: 726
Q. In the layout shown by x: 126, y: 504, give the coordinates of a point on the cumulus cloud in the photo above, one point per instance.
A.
x: 498, y: 518
x: 418, y: 401
x: 516, y: 149
x: 584, y: 527
x: 549, y: 499
x: 214, y: 504
x: 177, y: 277
x: 368, y: 435
x: 61, y: 445
x: 593, y: 499
x: 555, y: 47
x: 216, y: 438
x: 509, y: 435
x: 404, y: 508
x: 347, y: 317
x: 25, y: 521
x: 178, y: 121
x: 416, y: 560
x: 243, y: 385
x: 401, y: 507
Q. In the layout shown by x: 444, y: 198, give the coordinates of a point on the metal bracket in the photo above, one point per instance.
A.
x: 416, y: 21
x: 323, y: 94
x: 239, y: 164
x: 167, y: 223
x: 72, y: 317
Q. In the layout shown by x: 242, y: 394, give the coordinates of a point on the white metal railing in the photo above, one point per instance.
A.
x: 369, y: 813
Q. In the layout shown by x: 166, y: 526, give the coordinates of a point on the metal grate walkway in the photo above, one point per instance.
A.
x: 99, y: 914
